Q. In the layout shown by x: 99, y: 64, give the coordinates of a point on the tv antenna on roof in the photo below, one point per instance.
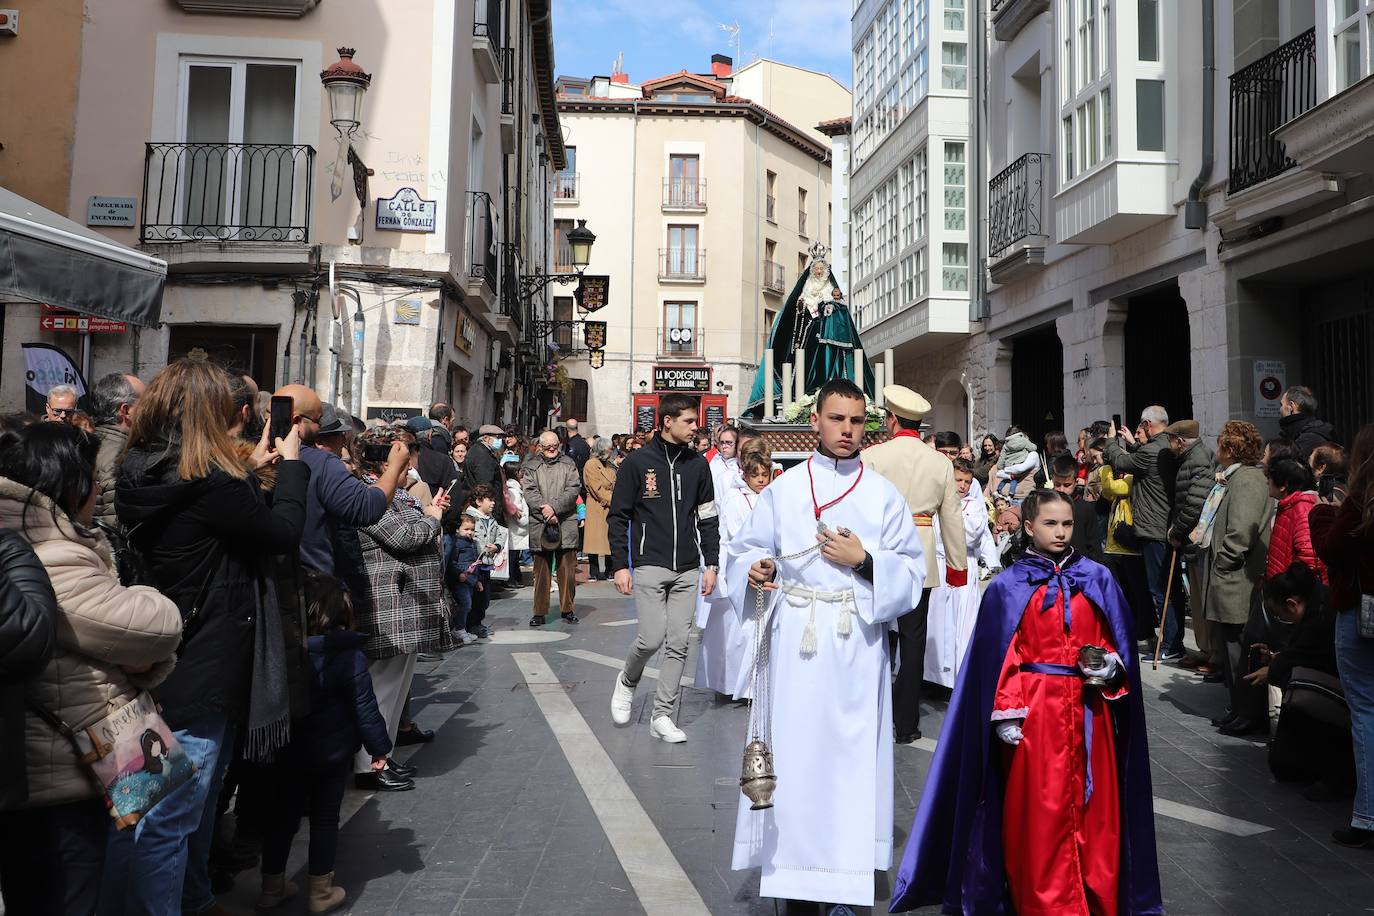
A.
x: 733, y: 30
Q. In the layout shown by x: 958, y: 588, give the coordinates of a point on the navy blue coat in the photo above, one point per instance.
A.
x: 343, y: 708
x: 464, y: 555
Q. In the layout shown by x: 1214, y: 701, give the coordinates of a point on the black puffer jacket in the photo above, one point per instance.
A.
x: 28, y: 622
x: 1306, y: 431
x: 209, y: 545
x: 1193, y: 483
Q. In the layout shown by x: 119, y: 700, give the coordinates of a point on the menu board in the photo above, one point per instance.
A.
x: 646, y: 416
x: 715, y: 415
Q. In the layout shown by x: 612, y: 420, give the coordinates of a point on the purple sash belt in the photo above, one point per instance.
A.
x: 1071, y: 671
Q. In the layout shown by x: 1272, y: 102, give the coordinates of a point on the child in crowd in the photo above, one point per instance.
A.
x: 1018, y: 459
x: 489, y: 537
x: 313, y: 769
x: 463, y: 578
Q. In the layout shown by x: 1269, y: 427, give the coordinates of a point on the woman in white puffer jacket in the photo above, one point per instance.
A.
x: 112, y: 642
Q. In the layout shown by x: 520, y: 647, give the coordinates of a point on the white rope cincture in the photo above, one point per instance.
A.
x: 800, y: 596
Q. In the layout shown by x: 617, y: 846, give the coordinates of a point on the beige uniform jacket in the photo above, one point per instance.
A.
x: 926, y: 479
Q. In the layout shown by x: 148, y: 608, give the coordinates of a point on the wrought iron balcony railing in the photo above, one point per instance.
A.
x: 566, y: 185
x: 684, y: 193
x: 682, y: 264
x: 1016, y: 202
x: 507, y: 81
x: 227, y: 192
x: 486, y: 21
x: 1265, y: 95
x: 686, y: 342
x: 774, y: 277
x: 482, y: 245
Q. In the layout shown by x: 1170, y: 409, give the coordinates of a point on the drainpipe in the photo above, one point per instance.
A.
x: 1195, y: 210
x: 355, y: 403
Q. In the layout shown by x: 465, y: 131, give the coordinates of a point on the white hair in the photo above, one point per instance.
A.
x: 1155, y: 414
x: 63, y: 391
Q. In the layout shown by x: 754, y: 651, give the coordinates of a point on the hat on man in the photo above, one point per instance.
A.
x: 419, y: 424
x: 331, y: 420
x: 1184, y: 429
x: 490, y: 429
x: 905, y: 403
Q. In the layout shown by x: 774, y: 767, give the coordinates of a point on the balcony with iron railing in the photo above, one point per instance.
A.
x: 482, y: 263
x: 565, y: 187
x: 682, y: 265
x: 1265, y: 95
x: 1016, y: 202
x: 486, y: 38
x: 681, y: 343
x: 684, y: 194
x: 774, y: 277
x: 227, y: 192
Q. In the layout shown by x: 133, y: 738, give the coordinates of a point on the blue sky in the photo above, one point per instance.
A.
x: 664, y: 36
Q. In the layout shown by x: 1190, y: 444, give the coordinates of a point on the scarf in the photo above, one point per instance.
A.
x: 1202, y: 534
x: 269, y: 703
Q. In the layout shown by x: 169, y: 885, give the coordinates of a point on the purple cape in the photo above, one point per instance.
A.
x: 954, y: 854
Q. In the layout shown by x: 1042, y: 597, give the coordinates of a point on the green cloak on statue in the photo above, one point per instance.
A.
x: 816, y: 320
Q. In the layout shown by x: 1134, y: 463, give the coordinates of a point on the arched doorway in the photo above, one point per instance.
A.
x: 1158, y: 355
x: 1037, y: 382
x: 949, y: 409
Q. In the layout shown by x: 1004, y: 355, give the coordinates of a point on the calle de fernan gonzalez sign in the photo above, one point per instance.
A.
x: 407, y: 212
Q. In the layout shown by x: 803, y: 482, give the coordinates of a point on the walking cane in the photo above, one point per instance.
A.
x: 1164, y: 618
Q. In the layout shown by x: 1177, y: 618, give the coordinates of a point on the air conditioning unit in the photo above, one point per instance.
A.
x: 9, y: 22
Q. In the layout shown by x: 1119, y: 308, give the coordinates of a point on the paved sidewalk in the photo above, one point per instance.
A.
x: 501, y: 821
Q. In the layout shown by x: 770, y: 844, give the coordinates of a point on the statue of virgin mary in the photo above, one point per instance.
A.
x: 816, y: 320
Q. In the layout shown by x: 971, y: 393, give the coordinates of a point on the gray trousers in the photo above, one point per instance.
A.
x: 665, y: 601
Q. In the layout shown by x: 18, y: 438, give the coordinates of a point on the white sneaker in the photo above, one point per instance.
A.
x: 622, y: 698
x: 467, y: 638
x: 663, y: 729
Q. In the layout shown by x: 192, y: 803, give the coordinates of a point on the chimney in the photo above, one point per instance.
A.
x: 721, y: 65
x: 623, y: 78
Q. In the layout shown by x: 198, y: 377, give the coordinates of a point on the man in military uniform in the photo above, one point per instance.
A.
x: 926, y: 479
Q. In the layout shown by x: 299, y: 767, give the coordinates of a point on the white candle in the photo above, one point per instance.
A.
x: 767, y: 382
x: 890, y: 361
x: 799, y: 373
x: 786, y: 386
x: 879, y: 381
x: 859, y: 367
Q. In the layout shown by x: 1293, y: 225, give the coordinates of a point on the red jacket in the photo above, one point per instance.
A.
x: 1292, y: 538
x: 1349, y: 556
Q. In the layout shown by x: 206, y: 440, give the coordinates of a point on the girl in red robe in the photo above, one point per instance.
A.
x: 1061, y: 821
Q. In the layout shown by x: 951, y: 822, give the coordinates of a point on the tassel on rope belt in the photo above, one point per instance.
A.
x: 1071, y: 671
x: 801, y: 596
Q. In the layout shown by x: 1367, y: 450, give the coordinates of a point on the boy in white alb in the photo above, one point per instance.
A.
x: 855, y: 565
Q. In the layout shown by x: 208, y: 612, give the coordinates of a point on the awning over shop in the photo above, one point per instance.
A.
x: 45, y: 257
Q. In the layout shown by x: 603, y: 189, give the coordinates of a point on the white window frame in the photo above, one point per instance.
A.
x: 962, y: 187
x: 1084, y: 135
x: 1362, y: 22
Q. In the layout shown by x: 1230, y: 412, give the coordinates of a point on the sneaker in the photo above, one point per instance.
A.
x: 663, y: 729
x: 622, y: 698
x: 483, y: 631
x: 467, y: 638
x: 1353, y: 837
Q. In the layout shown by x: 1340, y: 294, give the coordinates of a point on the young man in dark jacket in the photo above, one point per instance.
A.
x: 1298, y: 421
x: 663, y: 527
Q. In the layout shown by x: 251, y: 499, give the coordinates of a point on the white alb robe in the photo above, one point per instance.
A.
x: 954, y: 609
x: 831, y: 824
x: 727, y: 640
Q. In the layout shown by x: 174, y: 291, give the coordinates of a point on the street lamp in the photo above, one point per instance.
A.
x: 345, y: 83
x: 580, y: 241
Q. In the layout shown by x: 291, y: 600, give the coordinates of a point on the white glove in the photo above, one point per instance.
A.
x: 1109, y: 668
x: 1009, y: 731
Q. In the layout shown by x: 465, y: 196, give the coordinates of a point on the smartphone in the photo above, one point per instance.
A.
x: 283, y: 411
x: 1116, y: 418
x: 377, y: 451
x: 1326, y: 487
